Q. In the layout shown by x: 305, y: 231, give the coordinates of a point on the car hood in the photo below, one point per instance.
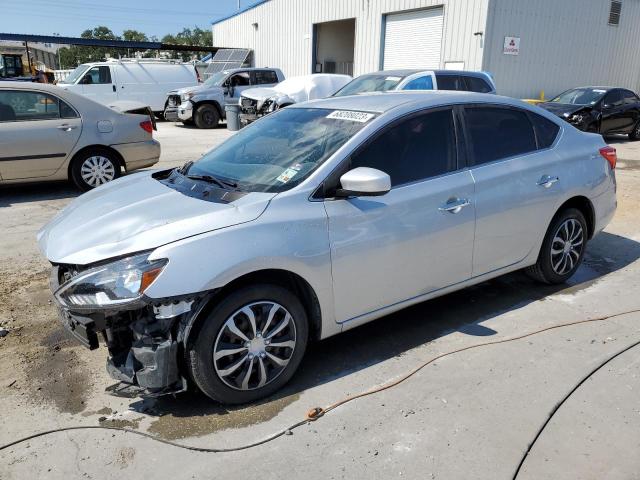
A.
x: 260, y: 93
x: 562, y: 109
x: 134, y: 214
x: 195, y: 89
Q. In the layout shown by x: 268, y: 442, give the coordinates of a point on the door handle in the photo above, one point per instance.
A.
x: 114, y: 87
x: 66, y: 127
x: 547, y: 181
x: 455, y: 205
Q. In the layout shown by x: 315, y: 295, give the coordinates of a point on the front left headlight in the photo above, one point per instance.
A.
x: 269, y: 105
x: 119, y: 284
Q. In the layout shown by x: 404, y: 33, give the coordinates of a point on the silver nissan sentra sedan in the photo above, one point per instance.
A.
x: 314, y: 220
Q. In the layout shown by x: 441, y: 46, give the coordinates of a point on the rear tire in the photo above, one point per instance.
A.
x: 635, y: 133
x: 94, y: 167
x: 259, y: 362
x: 563, y: 248
x: 206, y: 116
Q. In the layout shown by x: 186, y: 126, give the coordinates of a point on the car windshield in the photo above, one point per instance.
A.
x: 580, y: 96
x: 369, y: 83
x: 76, y: 74
x: 216, y: 79
x: 282, y: 149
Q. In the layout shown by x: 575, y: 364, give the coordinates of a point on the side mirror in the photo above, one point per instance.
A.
x: 363, y: 182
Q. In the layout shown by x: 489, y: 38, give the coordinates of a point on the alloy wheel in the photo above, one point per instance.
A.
x: 97, y: 170
x: 567, y: 246
x: 254, y: 346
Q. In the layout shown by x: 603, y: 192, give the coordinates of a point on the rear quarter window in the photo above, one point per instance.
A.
x: 475, y: 84
x: 546, y: 130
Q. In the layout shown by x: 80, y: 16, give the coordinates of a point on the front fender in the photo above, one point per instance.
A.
x: 292, y: 238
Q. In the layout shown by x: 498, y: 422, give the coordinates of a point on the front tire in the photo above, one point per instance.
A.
x: 94, y: 167
x: 206, y: 116
x: 249, y: 345
x: 563, y: 248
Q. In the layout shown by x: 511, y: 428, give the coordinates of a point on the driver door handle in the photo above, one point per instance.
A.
x: 547, y: 181
x: 65, y: 127
x: 455, y: 205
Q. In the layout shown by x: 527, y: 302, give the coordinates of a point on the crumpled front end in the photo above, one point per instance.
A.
x: 145, y: 341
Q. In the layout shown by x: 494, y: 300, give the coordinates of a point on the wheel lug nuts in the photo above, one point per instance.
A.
x: 251, y: 356
x: 262, y: 354
x: 247, y: 344
x: 259, y: 335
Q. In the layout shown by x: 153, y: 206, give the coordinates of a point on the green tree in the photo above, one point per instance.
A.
x: 134, y: 36
x: 188, y: 36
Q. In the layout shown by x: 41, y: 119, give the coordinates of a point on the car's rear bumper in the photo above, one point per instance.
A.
x: 605, y: 206
x: 139, y: 154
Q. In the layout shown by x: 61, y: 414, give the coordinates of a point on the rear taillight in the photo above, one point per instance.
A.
x: 147, y: 126
x: 610, y: 155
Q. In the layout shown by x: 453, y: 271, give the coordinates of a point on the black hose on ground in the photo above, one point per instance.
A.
x: 318, y: 412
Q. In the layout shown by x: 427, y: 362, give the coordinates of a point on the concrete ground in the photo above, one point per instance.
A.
x: 469, y: 415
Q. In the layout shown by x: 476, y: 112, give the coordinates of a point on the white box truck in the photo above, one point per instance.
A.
x: 145, y: 81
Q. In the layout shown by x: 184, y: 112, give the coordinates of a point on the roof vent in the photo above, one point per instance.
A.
x: 614, y: 13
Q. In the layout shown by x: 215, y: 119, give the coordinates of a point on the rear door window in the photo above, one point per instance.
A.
x: 498, y: 132
x: 450, y: 82
x: 629, y: 97
x: 476, y: 84
x: 415, y: 149
x: 264, y: 77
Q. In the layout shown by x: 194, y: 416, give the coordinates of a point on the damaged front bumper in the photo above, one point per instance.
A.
x: 145, y: 345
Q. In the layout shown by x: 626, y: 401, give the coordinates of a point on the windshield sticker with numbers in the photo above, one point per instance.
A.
x: 287, y: 175
x: 360, y: 117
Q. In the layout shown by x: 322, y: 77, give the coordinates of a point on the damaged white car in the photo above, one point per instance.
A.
x: 257, y: 102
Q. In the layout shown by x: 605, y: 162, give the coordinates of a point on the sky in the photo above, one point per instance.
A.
x: 72, y: 17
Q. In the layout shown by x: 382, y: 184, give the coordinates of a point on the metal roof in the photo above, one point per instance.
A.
x: 94, y: 42
x: 239, y: 12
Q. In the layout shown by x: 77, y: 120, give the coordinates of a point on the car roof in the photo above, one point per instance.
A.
x: 381, y: 102
x: 45, y: 87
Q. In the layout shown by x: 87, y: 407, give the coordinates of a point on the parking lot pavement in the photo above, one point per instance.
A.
x: 469, y: 415
x: 181, y: 143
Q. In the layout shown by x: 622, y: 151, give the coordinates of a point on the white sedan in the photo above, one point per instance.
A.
x: 47, y: 133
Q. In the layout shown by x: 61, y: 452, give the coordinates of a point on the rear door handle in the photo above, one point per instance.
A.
x: 66, y: 127
x: 455, y: 205
x: 114, y: 87
x: 547, y: 181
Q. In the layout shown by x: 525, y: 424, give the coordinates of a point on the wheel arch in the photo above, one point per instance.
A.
x: 283, y: 278
x: 209, y: 102
x: 585, y: 206
x: 87, y: 148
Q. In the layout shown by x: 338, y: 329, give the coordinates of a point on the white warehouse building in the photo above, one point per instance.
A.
x: 527, y: 45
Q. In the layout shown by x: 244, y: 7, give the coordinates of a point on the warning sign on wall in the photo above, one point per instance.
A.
x: 511, y: 46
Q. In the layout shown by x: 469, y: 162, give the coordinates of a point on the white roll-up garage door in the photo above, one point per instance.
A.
x: 413, y: 39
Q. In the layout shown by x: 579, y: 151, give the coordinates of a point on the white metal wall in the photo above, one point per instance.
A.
x: 564, y: 43
x: 284, y: 34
